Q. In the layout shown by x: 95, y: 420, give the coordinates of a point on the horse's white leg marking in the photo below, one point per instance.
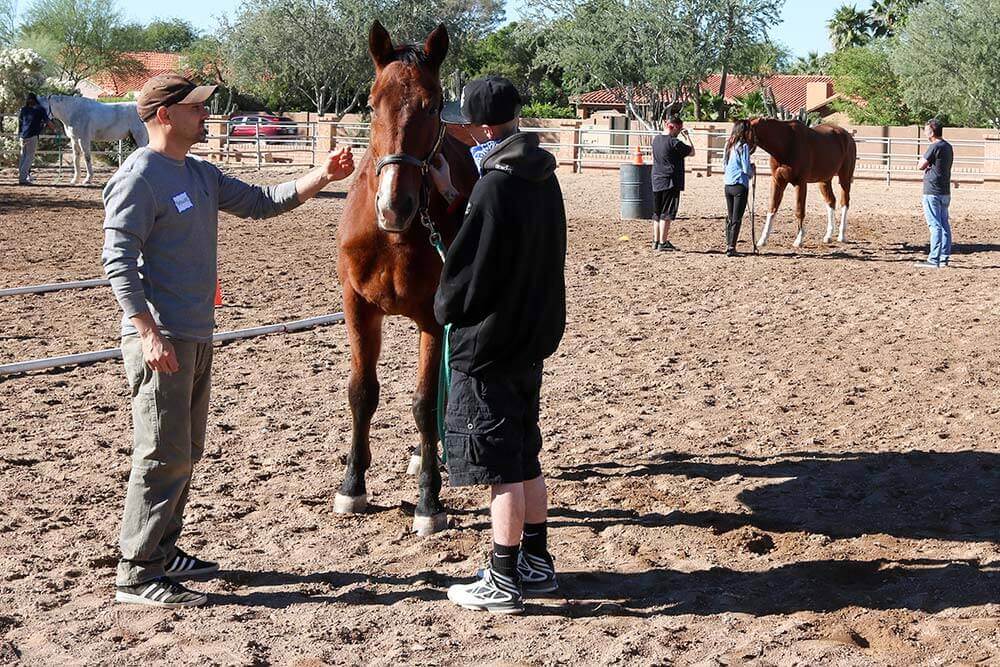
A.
x: 764, y: 233
x: 829, y: 224
x: 74, y: 145
x: 842, y: 237
x: 85, y: 148
x: 801, y: 235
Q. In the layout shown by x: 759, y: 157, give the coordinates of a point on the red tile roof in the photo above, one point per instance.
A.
x: 789, y: 89
x: 153, y: 63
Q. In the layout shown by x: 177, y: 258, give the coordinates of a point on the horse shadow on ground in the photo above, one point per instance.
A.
x: 27, y: 201
x: 818, y: 586
x: 917, y: 495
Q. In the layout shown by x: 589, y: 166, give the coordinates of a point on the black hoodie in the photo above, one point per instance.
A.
x: 502, y: 286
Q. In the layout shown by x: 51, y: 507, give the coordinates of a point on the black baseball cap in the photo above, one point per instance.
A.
x: 492, y: 100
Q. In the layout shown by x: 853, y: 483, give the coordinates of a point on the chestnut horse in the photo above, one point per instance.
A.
x: 387, y: 265
x: 801, y: 155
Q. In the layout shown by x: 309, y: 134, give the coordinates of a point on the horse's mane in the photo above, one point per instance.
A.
x: 411, y: 54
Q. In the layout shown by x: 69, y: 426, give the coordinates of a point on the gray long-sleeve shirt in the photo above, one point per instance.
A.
x: 160, y: 231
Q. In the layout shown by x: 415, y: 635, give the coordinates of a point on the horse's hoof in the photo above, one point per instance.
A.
x: 413, y: 468
x: 841, y: 239
x: 350, y: 504
x: 827, y: 239
x: 428, y: 525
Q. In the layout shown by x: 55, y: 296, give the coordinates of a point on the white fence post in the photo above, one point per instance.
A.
x: 257, y: 138
x: 888, y: 160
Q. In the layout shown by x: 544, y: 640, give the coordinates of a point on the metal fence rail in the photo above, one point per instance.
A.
x: 299, y: 144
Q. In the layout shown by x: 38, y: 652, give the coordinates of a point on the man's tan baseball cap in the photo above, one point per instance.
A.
x: 165, y: 89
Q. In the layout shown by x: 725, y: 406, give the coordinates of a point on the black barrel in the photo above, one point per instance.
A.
x: 635, y: 182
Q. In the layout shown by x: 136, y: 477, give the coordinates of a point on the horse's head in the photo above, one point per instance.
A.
x: 45, y: 101
x: 406, y: 128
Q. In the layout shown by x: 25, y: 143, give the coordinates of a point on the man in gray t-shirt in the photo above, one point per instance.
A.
x: 160, y: 231
x: 936, y: 165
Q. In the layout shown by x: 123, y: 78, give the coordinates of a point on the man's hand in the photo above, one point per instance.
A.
x: 339, y: 164
x: 441, y: 175
x: 157, y: 351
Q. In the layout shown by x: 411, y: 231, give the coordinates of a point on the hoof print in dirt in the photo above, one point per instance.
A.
x: 758, y: 543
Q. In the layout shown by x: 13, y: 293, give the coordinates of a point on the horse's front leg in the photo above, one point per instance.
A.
x: 85, y: 149
x: 74, y: 145
x: 429, y: 516
x: 777, y: 193
x: 364, y: 328
x: 800, y: 213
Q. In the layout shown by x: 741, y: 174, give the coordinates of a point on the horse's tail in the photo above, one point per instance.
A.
x: 850, y: 159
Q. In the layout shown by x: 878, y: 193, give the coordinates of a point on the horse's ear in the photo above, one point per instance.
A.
x: 380, y: 45
x: 436, y: 46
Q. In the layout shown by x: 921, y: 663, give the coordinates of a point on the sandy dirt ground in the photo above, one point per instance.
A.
x: 774, y: 460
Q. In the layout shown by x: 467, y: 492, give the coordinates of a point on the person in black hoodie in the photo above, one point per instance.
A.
x: 503, y: 293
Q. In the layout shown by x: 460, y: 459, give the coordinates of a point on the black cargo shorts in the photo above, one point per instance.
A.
x: 491, y: 427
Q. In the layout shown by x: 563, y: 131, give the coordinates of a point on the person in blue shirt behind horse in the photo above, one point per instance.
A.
x: 32, y: 120
x: 738, y: 172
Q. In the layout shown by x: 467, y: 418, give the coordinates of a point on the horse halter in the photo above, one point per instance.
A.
x: 404, y: 158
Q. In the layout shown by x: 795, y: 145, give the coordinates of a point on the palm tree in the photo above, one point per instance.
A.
x: 849, y: 27
x: 887, y: 17
x: 812, y: 63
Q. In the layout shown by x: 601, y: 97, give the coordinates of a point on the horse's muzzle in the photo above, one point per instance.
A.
x: 397, y: 216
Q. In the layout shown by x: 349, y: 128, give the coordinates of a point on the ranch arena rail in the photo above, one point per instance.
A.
x: 883, y: 153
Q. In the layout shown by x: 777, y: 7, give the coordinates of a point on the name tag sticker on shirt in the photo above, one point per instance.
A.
x: 182, y: 202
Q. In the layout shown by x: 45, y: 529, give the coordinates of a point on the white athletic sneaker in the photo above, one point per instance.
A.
x: 494, y: 593
x: 162, y: 592
x: 538, y: 573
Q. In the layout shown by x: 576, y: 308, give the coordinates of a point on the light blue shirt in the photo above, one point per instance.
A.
x: 738, y: 167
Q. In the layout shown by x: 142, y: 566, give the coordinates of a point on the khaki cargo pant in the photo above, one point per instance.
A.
x: 28, y: 147
x: 169, y: 414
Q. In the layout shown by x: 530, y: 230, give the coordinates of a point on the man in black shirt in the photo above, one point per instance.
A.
x: 936, y: 165
x: 32, y: 119
x: 669, y: 153
x: 503, y: 292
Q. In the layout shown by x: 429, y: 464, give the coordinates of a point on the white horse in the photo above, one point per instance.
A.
x: 88, y: 120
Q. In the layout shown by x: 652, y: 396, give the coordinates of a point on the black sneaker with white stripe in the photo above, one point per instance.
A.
x: 538, y: 573
x: 162, y: 592
x: 493, y: 592
x: 184, y: 565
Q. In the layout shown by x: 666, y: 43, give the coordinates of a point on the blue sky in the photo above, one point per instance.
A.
x: 803, y: 28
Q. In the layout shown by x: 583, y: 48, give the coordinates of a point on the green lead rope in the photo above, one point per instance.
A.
x: 444, y: 372
x: 444, y: 384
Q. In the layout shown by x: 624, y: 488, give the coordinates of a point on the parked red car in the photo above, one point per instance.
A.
x: 270, y: 125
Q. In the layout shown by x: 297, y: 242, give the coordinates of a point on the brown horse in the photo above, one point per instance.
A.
x: 387, y: 265
x: 801, y: 155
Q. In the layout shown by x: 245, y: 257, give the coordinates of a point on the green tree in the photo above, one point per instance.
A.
x: 887, y: 17
x: 513, y: 52
x: 21, y: 72
x: 314, y: 53
x: 8, y: 22
x: 849, y: 27
x: 864, y: 73
x: 946, y: 60
x: 163, y: 35
x: 811, y: 63
x: 744, y: 40
x: 77, y: 37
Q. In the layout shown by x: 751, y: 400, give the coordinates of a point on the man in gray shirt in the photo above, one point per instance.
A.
x: 160, y: 231
x: 936, y: 165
